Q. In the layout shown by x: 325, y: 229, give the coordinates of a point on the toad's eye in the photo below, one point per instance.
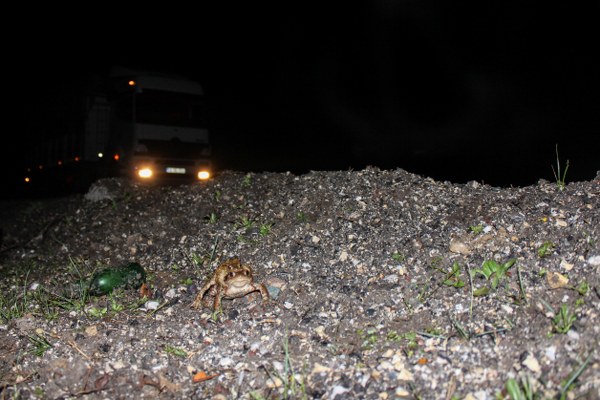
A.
x: 231, y: 274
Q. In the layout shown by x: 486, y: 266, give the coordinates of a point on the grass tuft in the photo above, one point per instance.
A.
x: 292, y: 385
x: 560, y: 178
x: 563, y: 320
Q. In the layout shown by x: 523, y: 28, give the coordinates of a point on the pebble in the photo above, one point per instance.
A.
x: 561, y: 223
x: 343, y: 256
x: 273, y: 292
x: 118, y: 365
x: 226, y: 362
x: 508, y: 309
x: 319, y: 369
x: 91, y: 330
x: 274, y: 382
x: 532, y: 363
x: 573, y: 334
x: 460, y: 247
x: 151, y: 305
x: 565, y: 265
x: 594, y: 261
x: 337, y: 390
x: 556, y: 280
x: 98, y: 193
x: 550, y: 352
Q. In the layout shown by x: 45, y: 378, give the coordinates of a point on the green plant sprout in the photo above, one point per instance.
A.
x: 460, y: 329
x: 432, y: 332
x: 522, y: 390
x: 453, y: 277
x: 494, y: 272
x: 256, y: 396
x: 115, y: 306
x: 97, y: 312
x: 186, y: 281
x: 563, y: 320
x: 216, y: 314
x: 301, y: 216
x: 398, y: 257
x: 560, y: 179
x: 247, y: 180
x: 476, y: 229
x: 197, y: 260
x: 545, y: 249
x: 368, y: 336
x: 40, y: 344
x: 409, y: 339
x: 176, y: 351
x: 265, y: 229
x: 245, y: 222
x: 212, y: 218
x: 583, y: 288
x: 393, y: 336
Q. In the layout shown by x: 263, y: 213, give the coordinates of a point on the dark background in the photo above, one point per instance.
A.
x: 457, y: 91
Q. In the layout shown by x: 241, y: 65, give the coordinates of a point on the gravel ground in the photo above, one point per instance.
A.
x: 383, y: 285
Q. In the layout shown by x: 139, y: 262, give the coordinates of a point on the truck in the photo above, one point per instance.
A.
x: 144, y: 125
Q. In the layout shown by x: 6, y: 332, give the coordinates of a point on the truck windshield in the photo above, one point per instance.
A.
x: 158, y: 107
x: 171, y: 149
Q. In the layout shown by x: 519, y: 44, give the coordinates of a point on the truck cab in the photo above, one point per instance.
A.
x: 158, y: 126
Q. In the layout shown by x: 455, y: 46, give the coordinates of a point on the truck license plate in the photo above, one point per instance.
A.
x: 175, y: 170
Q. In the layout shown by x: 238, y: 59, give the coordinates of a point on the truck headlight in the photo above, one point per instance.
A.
x: 203, y: 175
x: 145, y: 173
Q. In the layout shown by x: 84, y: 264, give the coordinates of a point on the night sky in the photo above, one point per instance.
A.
x: 456, y: 92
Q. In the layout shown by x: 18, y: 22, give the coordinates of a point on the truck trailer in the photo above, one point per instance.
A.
x: 147, y: 126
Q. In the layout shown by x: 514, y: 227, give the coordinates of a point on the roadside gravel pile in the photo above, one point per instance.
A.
x: 383, y: 285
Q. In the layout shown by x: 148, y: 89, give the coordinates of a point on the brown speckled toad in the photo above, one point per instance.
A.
x: 230, y: 280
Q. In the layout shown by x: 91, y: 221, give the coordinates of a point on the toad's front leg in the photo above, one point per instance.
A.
x: 198, y: 301
x: 219, y: 294
x: 263, y: 292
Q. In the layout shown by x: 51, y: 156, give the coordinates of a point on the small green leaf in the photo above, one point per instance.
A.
x: 512, y: 387
x: 476, y: 229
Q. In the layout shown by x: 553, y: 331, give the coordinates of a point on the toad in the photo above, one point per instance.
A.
x: 230, y: 280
